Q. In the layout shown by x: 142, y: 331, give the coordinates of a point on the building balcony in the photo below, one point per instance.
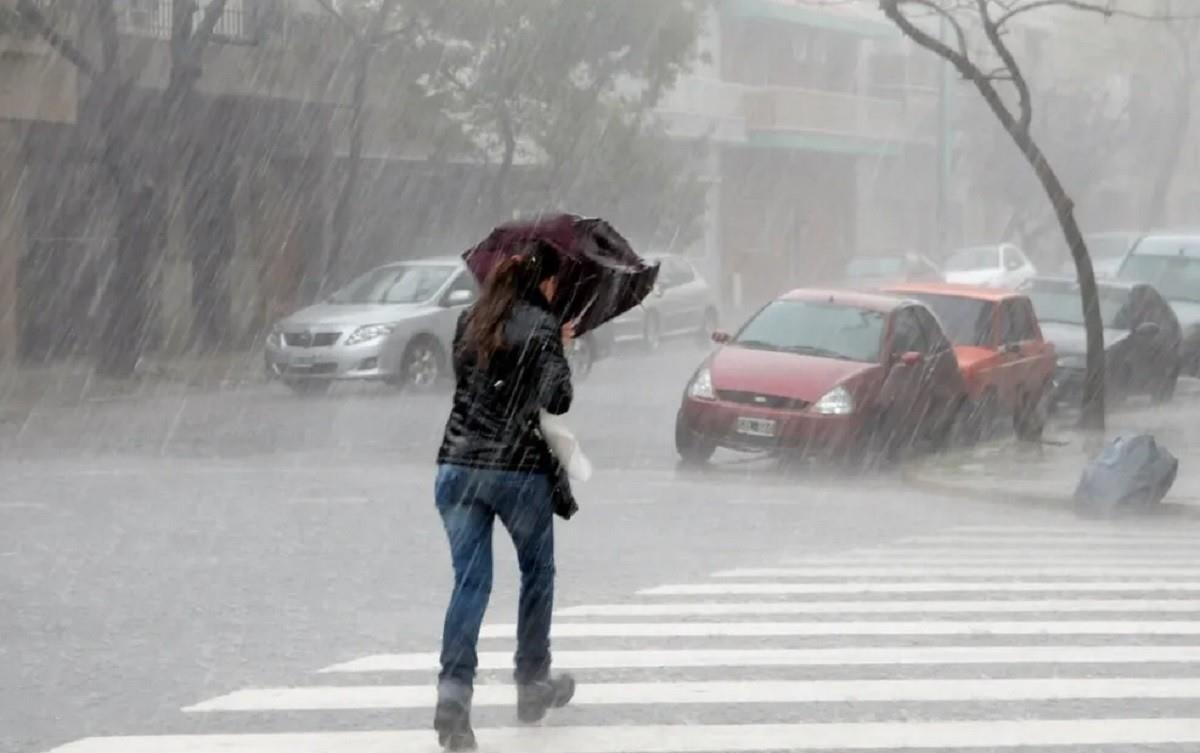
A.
x: 773, y: 113
x: 702, y: 107
x: 155, y: 19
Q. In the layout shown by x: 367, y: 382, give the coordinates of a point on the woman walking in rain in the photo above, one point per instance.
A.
x: 509, y: 365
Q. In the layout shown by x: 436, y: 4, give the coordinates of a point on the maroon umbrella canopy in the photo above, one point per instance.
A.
x: 602, y: 276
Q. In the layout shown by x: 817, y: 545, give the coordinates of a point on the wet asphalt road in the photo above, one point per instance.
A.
x: 161, y: 551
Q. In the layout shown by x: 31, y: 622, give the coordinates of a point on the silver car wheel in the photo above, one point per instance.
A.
x: 422, y: 366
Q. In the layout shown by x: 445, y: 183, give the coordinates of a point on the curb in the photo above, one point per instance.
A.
x: 920, y: 482
x: 916, y: 480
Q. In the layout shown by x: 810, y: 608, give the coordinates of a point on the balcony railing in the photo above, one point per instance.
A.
x: 155, y: 18
x: 840, y: 114
x: 728, y: 112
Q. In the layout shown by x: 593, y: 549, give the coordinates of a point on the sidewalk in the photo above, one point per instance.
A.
x: 23, y: 389
x: 1046, y: 475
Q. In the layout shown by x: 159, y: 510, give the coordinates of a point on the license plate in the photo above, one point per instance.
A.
x: 303, y: 361
x: 756, y: 427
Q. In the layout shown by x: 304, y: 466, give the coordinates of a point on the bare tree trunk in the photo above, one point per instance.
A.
x: 499, y: 190
x: 343, y: 210
x: 124, y: 320
x: 1018, y: 128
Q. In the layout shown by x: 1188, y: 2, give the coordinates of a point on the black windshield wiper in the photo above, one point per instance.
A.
x: 756, y: 344
x: 812, y: 350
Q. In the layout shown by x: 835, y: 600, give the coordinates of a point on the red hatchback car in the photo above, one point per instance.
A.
x: 1006, y: 363
x: 824, y: 373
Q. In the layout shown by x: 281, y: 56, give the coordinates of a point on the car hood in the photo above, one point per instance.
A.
x: 789, y: 375
x: 1188, y: 312
x: 353, y: 314
x: 973, y: 276
x: 1071, y: 339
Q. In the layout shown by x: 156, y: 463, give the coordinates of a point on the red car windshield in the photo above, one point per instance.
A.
x: 816, y: 328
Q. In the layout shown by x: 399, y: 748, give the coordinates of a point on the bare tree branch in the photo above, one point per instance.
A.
x: 992, y: 31
x: 212, y: 15
x: 350, y: 28
x: 63, y: 45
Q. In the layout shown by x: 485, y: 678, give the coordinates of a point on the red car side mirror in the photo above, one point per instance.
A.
x: 721, y: 337
x: 911, y: 358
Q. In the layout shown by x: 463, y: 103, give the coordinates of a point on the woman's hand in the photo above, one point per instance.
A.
x: 568, y: 333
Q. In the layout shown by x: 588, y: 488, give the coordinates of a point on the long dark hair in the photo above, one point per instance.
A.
x: 513, y: 279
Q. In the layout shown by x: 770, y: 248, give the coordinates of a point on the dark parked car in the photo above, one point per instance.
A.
x: 1141, y: 337
x: 1171, y: 263
x: 824, y: 373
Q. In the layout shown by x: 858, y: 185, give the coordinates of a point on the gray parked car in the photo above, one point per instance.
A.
x: 681, y: 304
x: 395, y: 324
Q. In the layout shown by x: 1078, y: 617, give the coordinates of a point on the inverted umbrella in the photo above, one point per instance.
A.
x: 602, y: 276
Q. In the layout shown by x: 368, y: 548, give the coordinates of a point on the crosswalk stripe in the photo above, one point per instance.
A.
x: 974, y: 557
x: 687, y: 738
x: 342, y: 698
x: 989, y: 571
x: 876, y: 587
x: 1080, y: 535
x: 1119, y: 530
x: 1046, y: 544
x: 927, y: 627
x: 1037, y: 606
x: 866, y: 656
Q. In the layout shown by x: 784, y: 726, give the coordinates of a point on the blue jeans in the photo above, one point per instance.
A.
x: 469, y: 501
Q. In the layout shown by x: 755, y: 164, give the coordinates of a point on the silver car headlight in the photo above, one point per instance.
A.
x: 369, y: 332
x: 701, y: 387
x: 837, y: 402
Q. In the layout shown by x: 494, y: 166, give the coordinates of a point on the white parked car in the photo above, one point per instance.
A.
x: 997, y: 266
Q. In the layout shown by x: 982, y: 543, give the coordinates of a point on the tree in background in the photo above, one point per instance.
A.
x: 1178, y: 55
x: 980, y: 51
x: 125, y: 122
x: 369, y: 26
x: 568, y: 87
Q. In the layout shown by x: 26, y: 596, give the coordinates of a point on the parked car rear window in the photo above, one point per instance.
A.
x: 1176, y: 277
x: 816, y: 328
x: 965, y: 321
x: 1063, y: 305
x: 987, y: 257
x: 401, y: 283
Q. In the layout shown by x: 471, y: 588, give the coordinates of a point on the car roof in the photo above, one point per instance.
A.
x: 993, y: 295
x: 1061, y: 281
x: 856, y: 299
x: 1190, y: 245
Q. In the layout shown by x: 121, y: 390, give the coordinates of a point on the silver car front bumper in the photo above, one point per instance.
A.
x: 360, y: 361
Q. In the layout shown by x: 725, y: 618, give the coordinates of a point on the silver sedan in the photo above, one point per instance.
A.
x: 395, y: 324
x: 682, y: 304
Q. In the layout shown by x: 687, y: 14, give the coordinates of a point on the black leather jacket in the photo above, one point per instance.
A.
x: 493, y: 422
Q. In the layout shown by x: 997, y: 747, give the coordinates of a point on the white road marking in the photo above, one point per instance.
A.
x: 1115, y: 530
x: 973, y: 557
x: 1036, y: 606
x: 1076, y: 539
x: 989, y: 571
x: 867, y: 587
x: 686, y: 738
x: 926, y: 627
x: 818, y: 657
x: 342, y: 698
